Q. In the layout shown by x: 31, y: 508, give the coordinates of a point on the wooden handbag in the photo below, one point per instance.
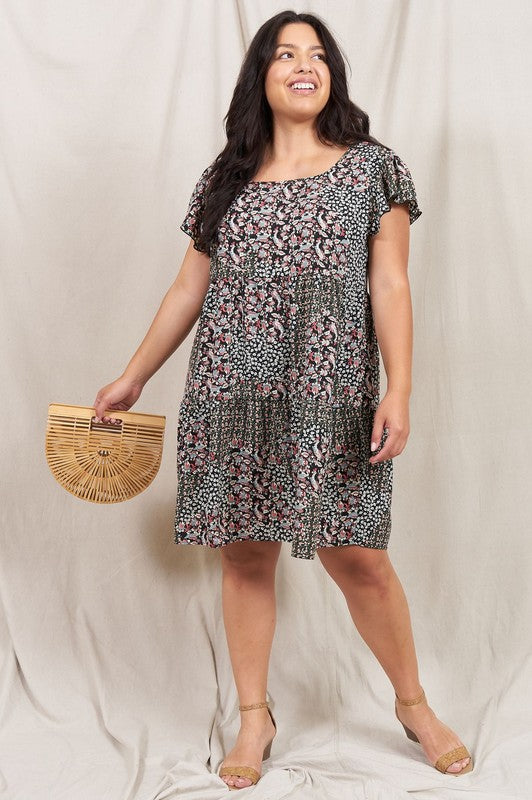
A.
x: 103, y: 462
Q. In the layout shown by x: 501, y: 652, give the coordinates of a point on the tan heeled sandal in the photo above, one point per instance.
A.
x: 249, y: 772
x: 444, y: 761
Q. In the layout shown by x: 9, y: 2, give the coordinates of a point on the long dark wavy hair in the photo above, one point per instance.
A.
x: 249, y: 123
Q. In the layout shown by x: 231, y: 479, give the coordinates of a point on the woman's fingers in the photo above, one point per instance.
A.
x: 390, y: 427
x: 393, y: 445
x: 381, y: 455
x: 101, y: 404
x: 109, y: 420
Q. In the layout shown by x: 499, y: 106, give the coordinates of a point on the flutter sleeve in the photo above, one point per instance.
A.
x: 393, y: 182
x: 192, y: 223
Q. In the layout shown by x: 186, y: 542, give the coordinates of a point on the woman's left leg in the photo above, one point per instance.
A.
x: 379, y: 609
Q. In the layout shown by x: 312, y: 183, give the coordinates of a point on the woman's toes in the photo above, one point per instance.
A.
x: 236, y: 780
x: 458, y: 766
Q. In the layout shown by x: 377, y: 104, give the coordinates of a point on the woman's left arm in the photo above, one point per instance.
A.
x: 391, y: 305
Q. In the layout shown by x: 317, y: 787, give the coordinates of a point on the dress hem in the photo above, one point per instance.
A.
x: 284, y: 540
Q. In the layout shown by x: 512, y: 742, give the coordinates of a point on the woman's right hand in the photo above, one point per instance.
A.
x: 118, y: 395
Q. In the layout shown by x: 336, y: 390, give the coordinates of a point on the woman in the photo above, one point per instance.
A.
x: 281, y: 436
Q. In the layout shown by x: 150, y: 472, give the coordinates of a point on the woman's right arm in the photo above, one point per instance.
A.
x: 171, y: 325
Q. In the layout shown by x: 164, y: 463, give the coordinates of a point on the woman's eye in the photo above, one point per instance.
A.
x: 286, y: 54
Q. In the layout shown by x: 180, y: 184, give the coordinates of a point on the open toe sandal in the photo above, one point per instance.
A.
x: 245, y: 771
x: 445, y: 760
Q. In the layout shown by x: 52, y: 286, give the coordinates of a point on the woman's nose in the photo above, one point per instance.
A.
x: 303, y: 65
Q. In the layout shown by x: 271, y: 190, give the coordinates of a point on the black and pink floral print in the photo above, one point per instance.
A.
x: 282, y: 385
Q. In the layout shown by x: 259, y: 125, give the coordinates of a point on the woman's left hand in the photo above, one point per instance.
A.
x: 392, y: 414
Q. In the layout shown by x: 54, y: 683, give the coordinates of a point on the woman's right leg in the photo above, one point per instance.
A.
x: 248, y: 601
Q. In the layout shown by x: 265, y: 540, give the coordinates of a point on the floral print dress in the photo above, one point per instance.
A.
x: 274, y: 427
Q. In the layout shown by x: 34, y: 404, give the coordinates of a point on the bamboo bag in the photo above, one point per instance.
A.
x: 103, y: 462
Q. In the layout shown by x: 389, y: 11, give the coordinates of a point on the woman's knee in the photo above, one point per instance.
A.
x: 366, y: 566
x: 250, y: 557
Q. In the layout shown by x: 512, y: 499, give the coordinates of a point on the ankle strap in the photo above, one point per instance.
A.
x: 254, y: 705
x: 411, y: 702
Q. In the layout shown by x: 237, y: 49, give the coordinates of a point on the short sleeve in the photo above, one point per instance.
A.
x: 191, y: 225
x: 393, y: 182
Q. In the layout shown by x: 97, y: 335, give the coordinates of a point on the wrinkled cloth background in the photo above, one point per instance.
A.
x: 115, y: 680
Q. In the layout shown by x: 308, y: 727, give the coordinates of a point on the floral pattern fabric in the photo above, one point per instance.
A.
x: 274, y: 426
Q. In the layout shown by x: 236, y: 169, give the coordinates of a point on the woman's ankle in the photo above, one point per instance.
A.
x: 253, y: 719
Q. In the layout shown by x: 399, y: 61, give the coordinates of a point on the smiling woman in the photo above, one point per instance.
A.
x: 297, y: 213
x: 282, y: 435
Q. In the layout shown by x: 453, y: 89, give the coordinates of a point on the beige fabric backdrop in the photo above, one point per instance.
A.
x: 115, y: 681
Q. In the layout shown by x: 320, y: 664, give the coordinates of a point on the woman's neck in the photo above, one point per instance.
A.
x: 296, y: 151
x: 294, y: 142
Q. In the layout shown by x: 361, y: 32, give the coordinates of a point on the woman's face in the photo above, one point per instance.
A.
x: 298, y: 81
